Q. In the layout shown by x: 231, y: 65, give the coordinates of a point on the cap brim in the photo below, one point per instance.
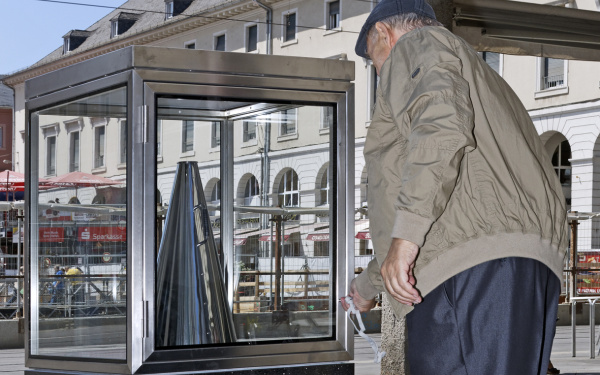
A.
x: 361, y: 43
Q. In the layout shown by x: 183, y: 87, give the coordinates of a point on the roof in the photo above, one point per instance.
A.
x: 6, y: 95
x: 150, y: 15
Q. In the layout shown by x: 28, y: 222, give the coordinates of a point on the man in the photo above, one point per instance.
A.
x: 467, y: 215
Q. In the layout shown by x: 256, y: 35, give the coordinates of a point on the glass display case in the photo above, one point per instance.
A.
x: 193, y: 211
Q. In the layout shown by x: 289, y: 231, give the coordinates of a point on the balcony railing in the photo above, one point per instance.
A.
x: 551, y: 82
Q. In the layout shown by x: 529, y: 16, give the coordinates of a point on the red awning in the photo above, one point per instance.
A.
x: 363, y: 235
x: 271, y: 238
x: 239, y: 241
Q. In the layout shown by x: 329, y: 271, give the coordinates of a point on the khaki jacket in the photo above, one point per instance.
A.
x: 456, y: 166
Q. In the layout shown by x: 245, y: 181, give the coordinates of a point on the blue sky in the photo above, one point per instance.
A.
x: 31, y: 29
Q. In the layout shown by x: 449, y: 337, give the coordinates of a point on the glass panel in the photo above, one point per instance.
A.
x: 81, y: 247
x: 281, y: 230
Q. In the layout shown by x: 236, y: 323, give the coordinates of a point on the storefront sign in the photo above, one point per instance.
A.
x: 588, y: 290
x: 112, y: 234
x: 318, y: 237
x: 52, y: 234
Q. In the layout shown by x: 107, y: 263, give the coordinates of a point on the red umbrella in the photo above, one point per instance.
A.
x: 80, y: 179
x: 11, y: 178
x: 15, y: 181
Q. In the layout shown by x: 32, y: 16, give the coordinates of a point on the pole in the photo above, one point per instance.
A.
x: 19, y: 282
x: 573, y: 259
x: 276, y: 302
x: 573, y: 284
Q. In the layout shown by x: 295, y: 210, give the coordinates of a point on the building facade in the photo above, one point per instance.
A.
x: 562, y: 96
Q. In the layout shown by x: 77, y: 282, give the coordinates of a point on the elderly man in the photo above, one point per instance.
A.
x: 468, y: 218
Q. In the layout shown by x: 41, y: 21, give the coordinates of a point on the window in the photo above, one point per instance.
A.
x: 114, y: 28
x: 51, y: 156
x: 333, y: 15
x: 74, y: 152
x: 287, y: 125
x: 289, y: 195
x: 251, y: 192
x: 322, y: 248
x: 215, y: 194
x: 493, y: 60
x: 189, y: 45
x: 2, y: 136
x: 561, y: 163
x: 220, y: 42
x: 553, y: 73
x: 169, y: 9
x: 187, y: 136
x: 73, y: 39
x: 175, y: 7
x: 215, y: 134
x: 251, y: 38
x: 123, y: 141
x: 289, y: 27
x: 99, y: 143
x: 326, y: 117
x: 121, y: 23
x: 159, y: 138
x: 249, y: 131
x: 324, y: 188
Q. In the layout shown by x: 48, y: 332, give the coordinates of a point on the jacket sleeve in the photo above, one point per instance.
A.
x: 369, y: 283
x: 440, y: 115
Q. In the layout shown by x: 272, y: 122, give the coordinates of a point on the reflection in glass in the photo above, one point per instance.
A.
x: 282, y: 222
x: 191, y: 302
x: 81, y: 226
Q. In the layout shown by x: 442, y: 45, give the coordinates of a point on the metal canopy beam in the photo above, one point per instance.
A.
x: 519, y: 28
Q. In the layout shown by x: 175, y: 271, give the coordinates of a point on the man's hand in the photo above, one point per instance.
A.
x: 363, y: 305
x: 397, y: 272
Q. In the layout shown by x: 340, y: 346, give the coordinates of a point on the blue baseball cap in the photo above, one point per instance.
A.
x: 388, y: 8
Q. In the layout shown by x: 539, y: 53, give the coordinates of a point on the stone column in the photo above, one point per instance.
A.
x: 393, y: 342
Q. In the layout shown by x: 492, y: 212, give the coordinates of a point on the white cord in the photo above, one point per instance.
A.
x: 379, y: 354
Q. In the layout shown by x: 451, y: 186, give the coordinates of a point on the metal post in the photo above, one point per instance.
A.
x: 20, y: 282
x: 573, y: 259
x: 592, y: 302
x: 573, y: 327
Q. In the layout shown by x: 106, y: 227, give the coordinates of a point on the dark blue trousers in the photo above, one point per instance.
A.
x: 497, y: 318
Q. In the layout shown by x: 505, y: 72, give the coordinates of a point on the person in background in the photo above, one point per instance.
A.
x: 58, y: 286
x: 467, y: 215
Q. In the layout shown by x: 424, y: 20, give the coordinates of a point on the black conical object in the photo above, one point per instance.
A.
x: 191, y: 298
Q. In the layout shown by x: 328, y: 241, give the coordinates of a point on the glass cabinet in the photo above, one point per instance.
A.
x: 193, y: 211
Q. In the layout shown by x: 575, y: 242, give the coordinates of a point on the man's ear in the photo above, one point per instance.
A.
x: 385, y: 33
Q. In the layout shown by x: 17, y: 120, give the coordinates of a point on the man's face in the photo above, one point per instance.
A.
x: 377, y: 49
x: 380, y: 44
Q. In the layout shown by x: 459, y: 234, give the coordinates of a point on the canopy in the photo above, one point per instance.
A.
x: 80, y: 179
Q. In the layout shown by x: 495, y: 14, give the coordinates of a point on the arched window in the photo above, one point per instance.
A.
x: 561, y: 163
x: 215, y: 194
x: 251, y: 192
x: 562, y: 166
x: 323, y: 187
x: 289, y: 195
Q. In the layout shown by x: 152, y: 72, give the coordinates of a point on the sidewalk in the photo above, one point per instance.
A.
x: 12, y: 360
x: 561, y: 353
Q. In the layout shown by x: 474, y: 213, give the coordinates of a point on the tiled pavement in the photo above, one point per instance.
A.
x: 12, y: 360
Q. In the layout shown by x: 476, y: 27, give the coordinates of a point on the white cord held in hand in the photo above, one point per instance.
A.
x: 353, y: 310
